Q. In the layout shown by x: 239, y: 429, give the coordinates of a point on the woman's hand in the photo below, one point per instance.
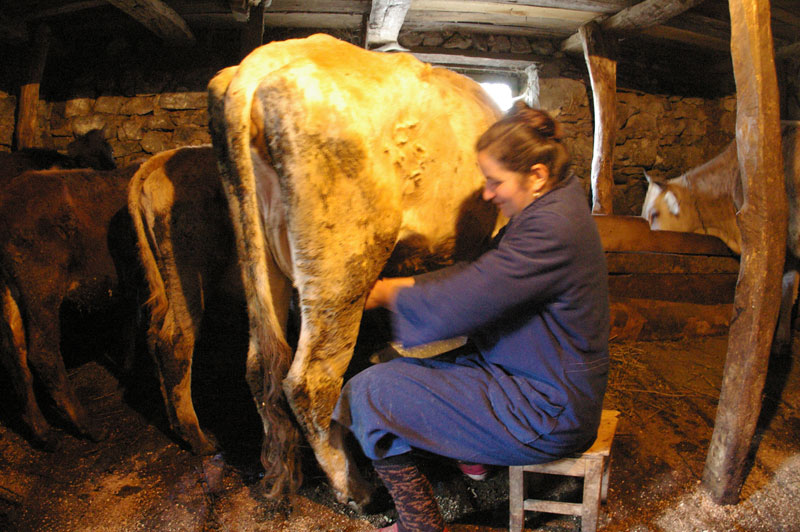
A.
x: 384, y: 293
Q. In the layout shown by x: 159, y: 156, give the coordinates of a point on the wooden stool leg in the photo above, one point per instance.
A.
x: 516, y: 497
x: 592, y: 486
x: 606, y: 473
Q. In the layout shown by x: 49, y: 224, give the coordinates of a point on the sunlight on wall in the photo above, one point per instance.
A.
x: 500, y: 93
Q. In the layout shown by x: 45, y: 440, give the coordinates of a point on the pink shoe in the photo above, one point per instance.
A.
x: 474, y: 471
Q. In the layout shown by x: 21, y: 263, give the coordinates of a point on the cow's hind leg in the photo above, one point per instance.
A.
x: 45, y: 360
x: 14, y: 357
x: 171, y: 341
x: 327, y: 339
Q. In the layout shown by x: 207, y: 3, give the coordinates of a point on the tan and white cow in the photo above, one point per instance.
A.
x: 334, y: 160
x: 706, y: 199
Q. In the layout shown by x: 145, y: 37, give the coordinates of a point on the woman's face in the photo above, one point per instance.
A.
x: 510, y: 191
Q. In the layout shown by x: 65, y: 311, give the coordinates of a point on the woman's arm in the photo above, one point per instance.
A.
x: 384, y: 293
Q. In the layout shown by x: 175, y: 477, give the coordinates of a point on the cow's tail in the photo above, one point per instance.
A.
x: 269, y: 355
x: 142, y: 211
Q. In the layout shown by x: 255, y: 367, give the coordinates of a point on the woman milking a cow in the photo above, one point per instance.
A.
x: 535, y: 307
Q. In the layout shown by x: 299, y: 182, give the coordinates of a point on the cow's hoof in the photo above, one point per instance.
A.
x: 47, y: 441
x: 204, y: 446
x: 359, y: 497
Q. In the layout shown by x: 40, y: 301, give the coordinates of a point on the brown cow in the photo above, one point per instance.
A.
x: 188, y: 256
x: 61, y: 232
x: 334, y: 160
x: 86, y: 151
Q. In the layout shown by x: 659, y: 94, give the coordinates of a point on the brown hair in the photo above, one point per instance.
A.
x: 524, y: 137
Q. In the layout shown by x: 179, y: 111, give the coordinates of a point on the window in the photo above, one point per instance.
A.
x: 500, y: 93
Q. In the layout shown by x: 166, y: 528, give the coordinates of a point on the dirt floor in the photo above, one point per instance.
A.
x: 139, y: 478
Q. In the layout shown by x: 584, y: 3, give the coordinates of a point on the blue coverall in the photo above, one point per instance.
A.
x: 536, y: 307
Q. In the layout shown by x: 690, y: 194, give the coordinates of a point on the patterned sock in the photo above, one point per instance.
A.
x: 417, y: 509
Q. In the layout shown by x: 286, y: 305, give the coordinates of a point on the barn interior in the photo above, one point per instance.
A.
x: 138, y: 70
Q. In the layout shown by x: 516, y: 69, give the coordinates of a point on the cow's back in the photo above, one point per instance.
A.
x: 55, y: 220
x: 356, y: 135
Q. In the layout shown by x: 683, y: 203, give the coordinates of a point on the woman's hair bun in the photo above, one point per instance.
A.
x: 539, y: 120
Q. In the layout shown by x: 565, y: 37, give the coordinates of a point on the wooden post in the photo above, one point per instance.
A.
x: 762, y: 220
x: 602, y: 65
x: 253, y: 33
x: 28, y: 107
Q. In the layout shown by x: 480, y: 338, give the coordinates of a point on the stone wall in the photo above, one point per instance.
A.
x: 661, y: 134
x: 658, y: 134
x: 136, y: 127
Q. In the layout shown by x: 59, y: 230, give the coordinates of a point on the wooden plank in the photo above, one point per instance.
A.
x: 495, y: 20
x: 652, y: 319
x: 669, y: 263
x: 763, y: 221
x: 703, y: 289
x: 385, y: 20
x: 159, y: 18
x: 252, y: 35
x: 687, y: 37
x: 553, y: 507
x: 642, y: 15
x: 595, y: 6
x: 632, y: 233
x: 313, y: 20
x: 421, y: 24
x: 487, y: 60
x: 321, y: 6
x: 511, y: 11
x: 598, y: 51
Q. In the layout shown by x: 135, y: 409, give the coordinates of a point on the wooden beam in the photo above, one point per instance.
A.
x: 385, y: 21
x: 762, y: 220
x: 643, y: 15
x: 602, y: 64
x: 513, y: 62
x: 253, y: 33
x: 240, y: 9
x: 27, y: 132
x: 159, y: 18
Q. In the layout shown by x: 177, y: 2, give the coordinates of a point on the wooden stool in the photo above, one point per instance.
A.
x: 592, y: 464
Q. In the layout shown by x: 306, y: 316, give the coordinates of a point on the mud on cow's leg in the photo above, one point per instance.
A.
x: 313, y: 385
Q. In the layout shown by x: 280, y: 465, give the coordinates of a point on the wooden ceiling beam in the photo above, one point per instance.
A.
x: 385, y: 20
x: 465, y: 59
x: 159, y: 18
x: 635, y: 18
